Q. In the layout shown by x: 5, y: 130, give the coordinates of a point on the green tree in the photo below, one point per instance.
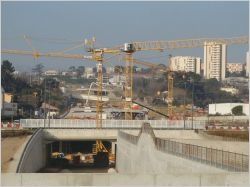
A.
x: 237, y: 111
x: 72, y: 68
x: 7, y: 70
x: 38, y: 69
x: 80, y: 70
x: 119, y: 69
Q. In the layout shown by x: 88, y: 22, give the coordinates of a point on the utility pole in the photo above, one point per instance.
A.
x: 192, y: 104
x: 49, y: 104
x: 185, y: 101
x: 44, y: 103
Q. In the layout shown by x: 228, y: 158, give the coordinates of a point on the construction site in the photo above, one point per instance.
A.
x: 128, y: 126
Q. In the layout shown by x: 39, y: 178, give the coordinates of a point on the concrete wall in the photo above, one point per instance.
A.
x: 144, y: 158
x: 83, y: 134
x: 114, y: 179
x: 34, y: 155
x: 109, y: 134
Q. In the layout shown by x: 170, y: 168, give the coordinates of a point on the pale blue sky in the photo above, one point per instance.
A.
x: 113, y: 23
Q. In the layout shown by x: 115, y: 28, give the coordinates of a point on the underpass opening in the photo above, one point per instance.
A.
x: 78, y: 156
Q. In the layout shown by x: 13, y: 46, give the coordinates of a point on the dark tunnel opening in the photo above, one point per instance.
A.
x: 79, y: 156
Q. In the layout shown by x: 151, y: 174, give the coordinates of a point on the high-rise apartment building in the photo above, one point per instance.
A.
x: 186, y: 64
x: 215, y: 55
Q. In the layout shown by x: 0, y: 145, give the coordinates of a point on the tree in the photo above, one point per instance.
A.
x: 38, y: 69
x: 72, y: 68
x: 80, y: 70
x: 119, y: 69
x: 7, y: 70
x: 237, y: 111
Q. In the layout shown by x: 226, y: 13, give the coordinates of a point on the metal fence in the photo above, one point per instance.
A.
x: 117, y: 124
x: 218, y: 158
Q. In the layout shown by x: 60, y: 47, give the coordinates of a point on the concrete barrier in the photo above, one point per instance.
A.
x: 144, y: 158
x: 33, y: 157
x: 104, y: 179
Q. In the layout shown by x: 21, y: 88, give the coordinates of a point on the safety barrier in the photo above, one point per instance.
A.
x: 221, y: 159
x: 116, y: 124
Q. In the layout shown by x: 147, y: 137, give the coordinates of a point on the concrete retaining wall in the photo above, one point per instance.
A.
x: 98, y: 179
x: 144, y: 158
x: 33, y: 158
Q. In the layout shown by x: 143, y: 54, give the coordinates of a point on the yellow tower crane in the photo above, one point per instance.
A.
x: 96, y: 57
x: 129, y: 49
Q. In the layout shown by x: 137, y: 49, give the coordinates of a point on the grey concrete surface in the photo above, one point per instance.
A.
x: 34, y: 155
x: 94, y: 179
x: 144, y: 158
x: 232, y: 146
x: 83, y: 134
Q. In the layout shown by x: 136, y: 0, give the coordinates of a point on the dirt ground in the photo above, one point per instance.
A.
x: 9, y: 146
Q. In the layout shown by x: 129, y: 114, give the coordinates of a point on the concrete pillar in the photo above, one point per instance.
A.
x: 60, y: 146
x: 51, y: 148
x: 113, y: 147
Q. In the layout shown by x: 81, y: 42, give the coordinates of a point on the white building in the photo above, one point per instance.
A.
x: 117, y: 79
x: 231, y: 90
x: 88, y: 70
x: 234, y: 67
x: 226, y: 108
x: 110, y: 70
x: 247, y: 63
x: 51, y: 73
x: 215, y: 60
x: 7, y: 107
x: 186, y: 64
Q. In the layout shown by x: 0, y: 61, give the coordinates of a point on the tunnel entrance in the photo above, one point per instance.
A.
x: 78, y: 156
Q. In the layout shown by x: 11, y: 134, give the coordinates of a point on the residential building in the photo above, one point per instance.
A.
x: 234, y: 67
x: 247, y: 63
x: 230, y: 90
x: 117, y: 79
x: 65, y: 73
x: 51, y: 73
x: 89, y: 69
x: 51, y: 111
x: 226, y: 108
x: 7, y: 107
x: 186, y: 64
x: 215, y: 55
x: 236, y: 82
x: 110, y: 70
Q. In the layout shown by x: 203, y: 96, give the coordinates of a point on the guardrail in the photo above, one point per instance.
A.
x: 113, y: 124
x: 24, y: 154
x: 221, y: 159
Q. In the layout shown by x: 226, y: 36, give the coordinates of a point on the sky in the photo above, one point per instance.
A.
x: 54, y: 26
